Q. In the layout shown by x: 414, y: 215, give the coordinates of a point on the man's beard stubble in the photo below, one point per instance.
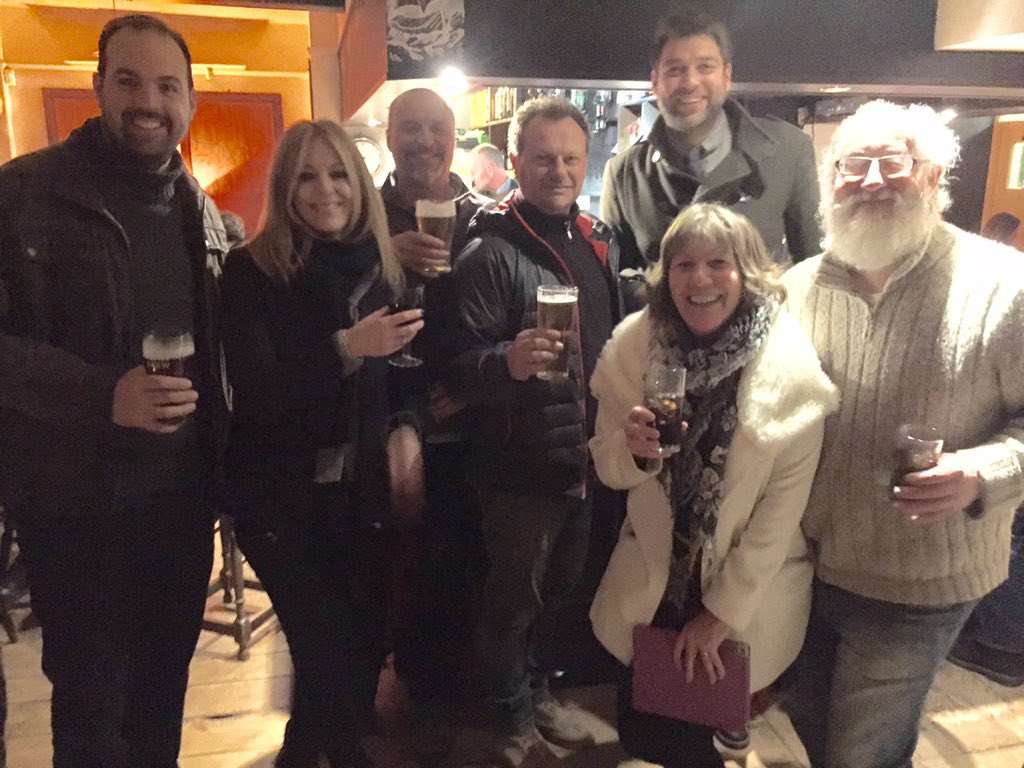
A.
x: 868, y: 239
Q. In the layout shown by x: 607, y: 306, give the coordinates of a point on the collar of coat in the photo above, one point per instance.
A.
x: 747, y: 135
x: 782, y: 391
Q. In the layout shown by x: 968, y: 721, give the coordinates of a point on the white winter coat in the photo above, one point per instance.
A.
x: 757, y: 575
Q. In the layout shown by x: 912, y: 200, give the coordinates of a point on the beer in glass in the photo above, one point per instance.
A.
x: 664, y: 393
x: 556, y: 311
x: 165, y: 352
x: 917, y: 447
x: 437, y: 218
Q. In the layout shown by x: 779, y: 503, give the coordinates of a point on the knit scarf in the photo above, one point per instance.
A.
x: 693, y: 478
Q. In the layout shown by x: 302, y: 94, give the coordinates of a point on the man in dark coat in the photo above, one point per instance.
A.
x: 441, y: 546
x: 529, y: 460
x: 705, y: 147
x: 109, y: 472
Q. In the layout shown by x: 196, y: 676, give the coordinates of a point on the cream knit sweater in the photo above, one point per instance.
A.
x: 942, y: 346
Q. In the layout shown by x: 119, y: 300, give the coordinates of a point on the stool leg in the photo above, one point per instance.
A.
x: 243, y: 627
x: 226, y: 544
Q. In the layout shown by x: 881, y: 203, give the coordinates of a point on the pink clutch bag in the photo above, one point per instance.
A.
x: 661, y: 689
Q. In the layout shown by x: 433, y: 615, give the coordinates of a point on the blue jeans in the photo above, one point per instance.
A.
x: 536, y: 548
x: 858, y: 689
x: 998, y: 621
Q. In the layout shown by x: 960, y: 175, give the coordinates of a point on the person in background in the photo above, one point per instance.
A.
x: 529, y: 457
x: 920, y: 322
x: 992, y: 641
x: 441, y: 560
x: 1002, y: 228
x: 711, y: 547
x: 110, y: 473
x: 307, y: 334
x: 704, y: 146
x: 488, y: 171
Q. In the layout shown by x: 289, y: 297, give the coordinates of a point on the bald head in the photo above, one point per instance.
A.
x: 421, y: 136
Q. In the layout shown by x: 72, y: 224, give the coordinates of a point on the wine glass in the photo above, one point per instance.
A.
x: 405, y: 299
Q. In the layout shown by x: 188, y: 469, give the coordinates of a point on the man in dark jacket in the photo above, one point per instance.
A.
x: 706, y: 147
x: 108, y: 471
x: 442, y: 548
x: 530, y: 459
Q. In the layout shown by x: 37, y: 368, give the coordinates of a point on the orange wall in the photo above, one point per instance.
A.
x: 37, y: 35
x: 997, y: 196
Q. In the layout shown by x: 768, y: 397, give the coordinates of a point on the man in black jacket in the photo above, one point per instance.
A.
x: 108, y: 471
x: 442, y: 549
x: 705, y: 147
x: 530, y: 459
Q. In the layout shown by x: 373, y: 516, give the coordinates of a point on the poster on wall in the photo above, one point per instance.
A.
x: 423, y: 35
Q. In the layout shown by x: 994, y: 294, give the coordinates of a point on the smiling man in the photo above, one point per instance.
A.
x: 530, y: 461
x: 705, y: 147
x: 918, y: 323
x: 106, y: 470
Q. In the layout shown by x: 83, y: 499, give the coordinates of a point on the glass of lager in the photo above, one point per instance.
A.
x: 437, y: 218
x: 556, y: 310
x: 166, y: 350
x: 664, y: 393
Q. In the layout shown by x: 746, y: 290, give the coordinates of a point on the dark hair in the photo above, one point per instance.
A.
x: 140, y: 22
x: 690, y: 24
x: 546, y: 108
x: 1002, y: 227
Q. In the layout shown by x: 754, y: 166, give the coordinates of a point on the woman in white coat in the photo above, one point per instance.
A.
x: 711, y: 546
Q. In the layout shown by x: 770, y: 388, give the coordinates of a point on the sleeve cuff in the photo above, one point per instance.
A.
x: 349, y: 362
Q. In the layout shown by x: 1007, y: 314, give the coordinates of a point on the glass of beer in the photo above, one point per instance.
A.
x: 664, y: 393
x: 437, y: 218
x: 166, y: 350
x: 410, y: 297
x: 556, y: 310
x: 917, y: 447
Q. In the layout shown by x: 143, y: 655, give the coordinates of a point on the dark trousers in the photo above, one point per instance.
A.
x: 328, y: 578
x: 536, y: 548
x: 434, y: 641
x: 120, y: 601
x: 3, y: 718
x: 662, y: 740
x: 998, y: 621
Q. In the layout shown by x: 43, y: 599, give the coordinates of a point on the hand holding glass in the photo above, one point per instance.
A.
x: 437, y: 219
x: 917, y: 447
x: 664, y: 393
x: 406, y: 298
x: 556, y: 311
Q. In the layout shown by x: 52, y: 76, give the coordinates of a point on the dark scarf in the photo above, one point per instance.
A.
x: 121, y: 170
x: 694, y: 477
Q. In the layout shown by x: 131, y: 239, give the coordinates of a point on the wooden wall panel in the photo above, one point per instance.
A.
x: 364, y: 57
x: 229, y: 148
x: 998, y: 195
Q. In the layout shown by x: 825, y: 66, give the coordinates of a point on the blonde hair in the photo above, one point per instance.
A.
x: 728, y: 232
x: 276, y: 249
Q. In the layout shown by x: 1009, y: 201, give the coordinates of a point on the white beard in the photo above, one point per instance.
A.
x: 869, y: 240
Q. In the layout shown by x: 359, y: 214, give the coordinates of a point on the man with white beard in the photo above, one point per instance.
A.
x: 917, y: 322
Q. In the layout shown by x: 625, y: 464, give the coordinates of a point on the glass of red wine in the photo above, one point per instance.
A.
x: 409, y: 297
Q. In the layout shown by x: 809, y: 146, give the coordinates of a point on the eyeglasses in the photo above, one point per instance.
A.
x: 854, y: 167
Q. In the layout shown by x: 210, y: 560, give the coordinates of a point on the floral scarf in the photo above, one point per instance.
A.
x: 693, y: 477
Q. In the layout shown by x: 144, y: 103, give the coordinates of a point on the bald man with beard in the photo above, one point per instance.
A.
x: 442, y: 546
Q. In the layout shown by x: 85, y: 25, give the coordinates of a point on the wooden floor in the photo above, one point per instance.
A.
x: 236, y: 710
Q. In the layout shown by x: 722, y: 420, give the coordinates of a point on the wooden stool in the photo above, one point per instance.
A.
x: 244, y: 628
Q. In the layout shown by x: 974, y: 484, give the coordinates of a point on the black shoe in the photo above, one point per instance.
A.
x: 734, y: 741
x: 291, y: 756
x: 998, y: 666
